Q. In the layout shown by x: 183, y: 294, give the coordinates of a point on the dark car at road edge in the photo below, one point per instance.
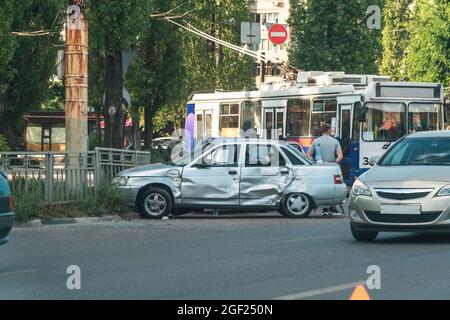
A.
x: 6, y: 210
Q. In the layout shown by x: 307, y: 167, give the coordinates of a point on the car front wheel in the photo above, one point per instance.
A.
x: 297, y: 205
x: 361, y: 235
x: 155, y: 203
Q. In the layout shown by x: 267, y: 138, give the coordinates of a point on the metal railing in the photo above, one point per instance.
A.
x: 55, y: 177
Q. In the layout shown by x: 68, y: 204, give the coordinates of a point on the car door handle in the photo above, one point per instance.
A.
x: 284, y: 172
x: 233, y: 172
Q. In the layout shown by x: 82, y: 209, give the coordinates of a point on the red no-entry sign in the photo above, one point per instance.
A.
x: 278, y: 34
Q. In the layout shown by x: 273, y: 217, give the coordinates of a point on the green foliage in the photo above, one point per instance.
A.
x: 168, y: 115
x: 115, y: 24
x: 3, y: 144
x: 155, y: 76
x: 28, y: 197
x: 30, y: 205
x: 8, y: 10
x: 30, y: 60
x: 168, y: 69
x: 333, y: 36
x: 428, y: 57
x: 159, y: 155
x: 396, y: 37
x: 94, y: 141
x: 54, y: 99
x: 221, y: 19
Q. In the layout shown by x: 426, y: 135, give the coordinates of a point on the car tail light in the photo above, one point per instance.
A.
x: 11, y: 203
x: 338, y: 179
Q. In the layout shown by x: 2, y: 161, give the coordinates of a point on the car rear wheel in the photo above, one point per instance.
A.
x: 155, y: 203
x: 297, y: 205
x: 361, y: 235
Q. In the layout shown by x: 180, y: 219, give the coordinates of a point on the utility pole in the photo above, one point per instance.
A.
x: 76, y: 78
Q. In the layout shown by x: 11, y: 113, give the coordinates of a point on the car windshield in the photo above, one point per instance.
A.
x: 419, y: 152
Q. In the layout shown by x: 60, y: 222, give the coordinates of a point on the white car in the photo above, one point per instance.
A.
x: 234, y: 174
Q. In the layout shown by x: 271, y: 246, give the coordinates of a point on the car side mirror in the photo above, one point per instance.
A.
x: 373, y: 161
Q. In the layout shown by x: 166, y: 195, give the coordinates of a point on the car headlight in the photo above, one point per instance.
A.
x: 360, y: 189
x: 444, y: 192
x: 120, y: 181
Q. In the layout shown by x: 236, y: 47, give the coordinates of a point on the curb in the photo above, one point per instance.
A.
x: 68, y: 221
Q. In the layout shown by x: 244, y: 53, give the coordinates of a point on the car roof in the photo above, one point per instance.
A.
x: 430, y: 134
x: 216, y: 141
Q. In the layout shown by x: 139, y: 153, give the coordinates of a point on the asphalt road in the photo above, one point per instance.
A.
x: 261, y: 256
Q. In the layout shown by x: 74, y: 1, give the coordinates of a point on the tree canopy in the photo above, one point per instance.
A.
x: 428, y: 55
x: 27, y: 63
x: 333, y: 36
x: 396, y: 37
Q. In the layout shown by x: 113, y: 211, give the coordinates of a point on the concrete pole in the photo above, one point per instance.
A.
x: 76, y: 83
x: 76, y: 86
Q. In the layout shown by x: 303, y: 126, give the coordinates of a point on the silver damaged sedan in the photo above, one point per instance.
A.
x: 407, y: 190
x: 234, y: 174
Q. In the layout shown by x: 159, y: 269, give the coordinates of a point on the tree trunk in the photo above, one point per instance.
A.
x: 7, y: 129
x: 148, y: 132
x: 6, y: 118
x: 114, y: 113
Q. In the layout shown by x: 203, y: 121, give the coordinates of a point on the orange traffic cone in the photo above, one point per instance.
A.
x: 360, y: 293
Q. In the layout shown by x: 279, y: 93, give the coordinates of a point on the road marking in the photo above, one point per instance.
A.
x: 14, y: 273
x: 318, y: 292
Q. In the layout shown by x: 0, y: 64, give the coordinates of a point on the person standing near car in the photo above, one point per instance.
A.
x: 326, y: 149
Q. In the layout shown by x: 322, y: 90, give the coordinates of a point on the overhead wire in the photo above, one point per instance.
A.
x: 190, y: 28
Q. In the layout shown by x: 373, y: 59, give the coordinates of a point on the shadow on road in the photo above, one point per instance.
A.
x: 250, y: 215
x: 415, y: 238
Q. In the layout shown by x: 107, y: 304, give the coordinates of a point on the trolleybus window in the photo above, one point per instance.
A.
x: 424, y: 117
x: 298, y: 118
x: 229, y: 120
x: 385, y: 122
x: 324, y: 111
x: 251, y: 116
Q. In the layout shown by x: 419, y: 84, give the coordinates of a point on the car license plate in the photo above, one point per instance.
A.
x: 413, y: 209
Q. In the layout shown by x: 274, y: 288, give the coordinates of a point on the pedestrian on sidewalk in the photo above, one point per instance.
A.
x: 326, y: 149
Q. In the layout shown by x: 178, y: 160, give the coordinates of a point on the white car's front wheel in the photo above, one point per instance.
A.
x: 155, y: 203
x: 297, y: 205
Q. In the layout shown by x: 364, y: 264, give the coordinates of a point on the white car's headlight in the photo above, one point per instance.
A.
x: 444, y: 192
x: 360, y: 189
x: 120, y: 181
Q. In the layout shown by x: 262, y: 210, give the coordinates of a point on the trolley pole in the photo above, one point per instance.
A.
x: 76, y: 78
